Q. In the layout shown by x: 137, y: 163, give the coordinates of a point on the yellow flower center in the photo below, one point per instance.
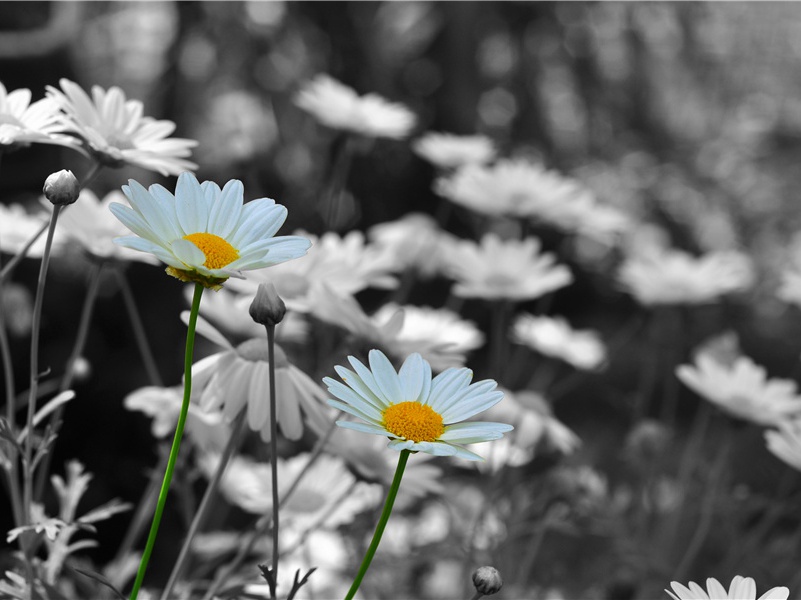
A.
x: 218, y: 252
x: 413, y: 421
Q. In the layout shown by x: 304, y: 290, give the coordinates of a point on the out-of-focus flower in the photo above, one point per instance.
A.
x: 346, y: 265
x: 23, y: 122
x: 785, y: 441
x: 553, y: 336
x: 205, y: 234
x: 742, y: 389
x: 90, y: 224
x: 664, y: 276
x: 18, y: 226
x: 448, y: 151
x: 439, y: 334
x: 338, y: 106
x: 416, y: 412
x: 16, y: 304
x: 415, y: 241
x: 741, y: 588
x: 327, y: 496
x: 206, y: 429
x: 117, y: 133
x: 496, y: 269
x: 238, y: 378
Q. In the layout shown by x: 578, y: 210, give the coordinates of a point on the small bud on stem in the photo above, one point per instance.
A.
x: 62, y: 188
x: 487, y: 581
x: 267, y: 307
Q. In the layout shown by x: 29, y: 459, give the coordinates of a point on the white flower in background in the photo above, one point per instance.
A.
x: 206, y: 429
x: 338, y: 106
x: 741, y: 388
x: 439, y: 334
x: 346, y: 264
x: 327, y: 496
x: 499, y: 269
x: 415, y: 241
x: 666, y: 276
x: 741, y: 588
x: 554, y: 337
x: 448, y: 151
x: 116, y: 131
x: 18, y: 226
x: 203, y: 233
x: 785, y: 441
x: 416, y: 412
x: 91, y: 225
x: 238, y: 378
x: 790, y: 286
x: 23, y: 122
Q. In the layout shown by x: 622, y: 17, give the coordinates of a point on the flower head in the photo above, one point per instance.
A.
x: 338, y: 106
x: 205, y: 234
x: 417, y: 412
x: 785, y: 442
x: 742, y: 389
x: 116, y: 131
x: 554, y: 337
x: 414, y: 241
x: 741, y: 588
x: 23, y: 122
x: 62, y: 188
x: 663, y: 276
x: 448, y: 151
x: 504, y: 269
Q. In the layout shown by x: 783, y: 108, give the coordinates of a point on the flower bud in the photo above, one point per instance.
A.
x: 267, y: 307
x: 487, y: 580
x: 62, y: 188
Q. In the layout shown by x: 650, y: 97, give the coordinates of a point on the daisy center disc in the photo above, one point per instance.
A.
x: 413, y: 421
x: 218, y: 252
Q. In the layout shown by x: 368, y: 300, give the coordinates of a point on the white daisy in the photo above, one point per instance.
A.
x: 741, y: 588
x: 116, y: 131
x: 23, y: 122
x: 785, y: 442
x: 553, y: 336
x: 742, y: 389
x: 416, y: 412
x: 238, y: 378
x: 18, y: 227
x: 205, y: 234
x: 91, y: 225
x: 666, y: 276
x: 338, y: 106
x: 448, y: 151
x: 504, y: 269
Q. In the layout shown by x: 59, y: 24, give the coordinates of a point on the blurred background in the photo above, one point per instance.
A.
x: 686, y: 114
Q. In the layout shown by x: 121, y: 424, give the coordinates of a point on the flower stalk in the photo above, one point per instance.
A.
x: 382, y: 523
x: 176, y: 443
x: 270, y: 326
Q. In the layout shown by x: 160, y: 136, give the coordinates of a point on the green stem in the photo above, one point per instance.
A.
x: 382, y: 523
x: 176, y: 443
x: 273, y: 453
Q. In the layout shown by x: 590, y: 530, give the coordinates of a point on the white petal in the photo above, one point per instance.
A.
x: 385, y: 376
x: 346, y: 394
x: 364, y: 427
x: 188, y: 253
x: 225, y: 213
x: 352, y: 410
x: 474, y: 431
x: 286, y: 395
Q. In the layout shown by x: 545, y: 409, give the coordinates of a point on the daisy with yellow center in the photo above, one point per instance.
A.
x: 206, y: 234
x: 417, y: 412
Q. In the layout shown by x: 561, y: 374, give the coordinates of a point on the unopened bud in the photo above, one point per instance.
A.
x: 267, y: 307
x: 487, y: 580
x: 62, y: 188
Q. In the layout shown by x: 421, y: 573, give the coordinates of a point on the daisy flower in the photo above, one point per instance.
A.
x: 741, y: 588
x: 498, y: 269
x: 554, y: 337
x: 785, y: 442
x: 415, y: 241
x: 448, y: 151
x: 117, y: 133
x: 665, y: 276
x: 338, y: 106
x: 416, y: 412
x: 742, y: 389
x: 91, y: 225
x: 238, y: 378
x: 23, y: 122
x: 205, y: 234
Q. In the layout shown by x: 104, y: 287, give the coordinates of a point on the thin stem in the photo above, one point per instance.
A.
x: 176, y: 442
x: 10, y: 386
x: 476, y: 596
x: 139, y: 330
x: 273, y: 453
x: 382, y: 523
x: 200, y: 515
